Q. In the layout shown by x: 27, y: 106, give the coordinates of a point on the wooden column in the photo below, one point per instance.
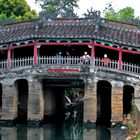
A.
x: 35, y: 51
x: 120, y: 58
x: 9, y: 57
x: 92, y: 52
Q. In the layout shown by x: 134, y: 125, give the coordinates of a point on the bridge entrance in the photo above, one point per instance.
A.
x: 103, y: 103
x: 22, y: 100
x: 128, y: 94
x: 60, y: 96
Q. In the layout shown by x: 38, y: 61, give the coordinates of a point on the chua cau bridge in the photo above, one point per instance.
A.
x: 33, y: 79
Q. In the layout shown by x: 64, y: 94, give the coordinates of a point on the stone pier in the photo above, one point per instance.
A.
x: 117, y: 104
x: 90, y: 103
x: 9, y: 102
x: 35, y: 101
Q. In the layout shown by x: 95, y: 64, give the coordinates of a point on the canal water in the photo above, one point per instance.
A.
x: 61, y: 131
x: 70, y: 127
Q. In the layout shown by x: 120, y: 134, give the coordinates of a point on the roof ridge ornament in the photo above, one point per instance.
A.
x: 94, y: 16
x: 43, y: 19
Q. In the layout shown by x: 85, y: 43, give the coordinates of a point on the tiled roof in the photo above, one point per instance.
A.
x: 15, y: 33
x: 18, y: 32
x: 67, y: 30
x: 119, y: 35
x: 107, y: 31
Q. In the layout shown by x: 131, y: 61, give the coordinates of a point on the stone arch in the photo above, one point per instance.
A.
x: 0, y: 98
x: 128, y: 94
x: 21, y: 88
x: 58, y: 94
x: 103, y: 102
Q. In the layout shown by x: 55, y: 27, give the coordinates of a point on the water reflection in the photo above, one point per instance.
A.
x: 66, y: 131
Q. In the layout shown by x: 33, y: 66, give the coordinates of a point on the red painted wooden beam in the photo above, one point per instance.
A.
x: 64, y: 43
x: 24, y: 45
x: 3, y: 49
x: 35, y: 51
x: 49, y: 43
x: 92, y: 52
x: 130, y: 51
x: 9, y: 57
x: 120, y: 58
x: 15, y: 47
x: 71, y: 43
x: 116, y: 49
x: 107, y: 47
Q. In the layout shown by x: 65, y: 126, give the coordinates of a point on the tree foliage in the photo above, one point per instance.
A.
x: 16, y: 10
x: 59, y: 8
x: 124, y: 14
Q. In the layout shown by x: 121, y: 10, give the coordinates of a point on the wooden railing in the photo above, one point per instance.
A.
x: 3, y: 64
x: 74, y: 61
x: 132, y: 68
x: 112, y: 64
x: 22, y: 62
x: 52, y: 60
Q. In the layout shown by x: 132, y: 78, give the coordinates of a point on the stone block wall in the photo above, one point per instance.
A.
x: 117, y: 104
x: 90, y: 103
x: 91, y: 107
x: 35, y: 101
x: 9, y: 103
x: 36, y: 95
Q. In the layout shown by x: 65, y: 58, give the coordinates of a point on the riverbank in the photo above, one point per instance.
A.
x: 131, y: 121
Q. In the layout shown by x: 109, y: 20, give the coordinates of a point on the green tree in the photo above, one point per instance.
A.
x: 123, y: 14
x: 109, y: 12
x: 59, y: 8
x: 126, y: 14
x: 16, y: 10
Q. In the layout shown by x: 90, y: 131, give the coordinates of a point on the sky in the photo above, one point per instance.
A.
x: 98, y: 5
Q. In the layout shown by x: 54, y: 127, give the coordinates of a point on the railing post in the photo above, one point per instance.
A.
x: 9, y: 57
x: 92, y: 53
x: 35, y: 51
x: 120, y: 58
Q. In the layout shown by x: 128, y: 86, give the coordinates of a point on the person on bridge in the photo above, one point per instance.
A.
x: 106, y: 60
x: 58, y: 58
x: 68, y: 57
x: 85, y: 58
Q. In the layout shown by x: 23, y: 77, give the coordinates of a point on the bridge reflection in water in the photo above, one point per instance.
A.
x: 66, y: 131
